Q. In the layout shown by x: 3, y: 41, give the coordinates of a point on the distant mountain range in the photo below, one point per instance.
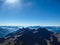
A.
x: 32, y: 35
x: 4, y: 30
x: 29, y: 36
x: 50, y: 28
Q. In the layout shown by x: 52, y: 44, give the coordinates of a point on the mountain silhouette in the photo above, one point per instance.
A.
x: 29, y: 38
x: 26, y: 36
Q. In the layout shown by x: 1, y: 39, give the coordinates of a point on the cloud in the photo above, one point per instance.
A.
x: 28, y: 4
x: 11, y: 4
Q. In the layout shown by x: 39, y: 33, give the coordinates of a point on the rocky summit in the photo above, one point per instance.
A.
x: 26, y: 36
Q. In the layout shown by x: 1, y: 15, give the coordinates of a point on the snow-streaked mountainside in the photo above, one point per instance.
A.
x: 32, y: 35
x: 5, y: 30
x: 27, y: 36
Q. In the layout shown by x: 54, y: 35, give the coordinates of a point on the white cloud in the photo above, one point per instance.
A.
x: 12, y: 4
x: 27, y: 5
x: 11, y: 1
x: 17, y: 4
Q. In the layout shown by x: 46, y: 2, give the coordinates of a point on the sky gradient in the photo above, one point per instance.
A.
x: 30, y: 12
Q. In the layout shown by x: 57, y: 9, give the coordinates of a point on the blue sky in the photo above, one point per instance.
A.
x: 30, y: 12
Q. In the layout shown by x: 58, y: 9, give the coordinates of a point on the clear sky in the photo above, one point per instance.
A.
x: 30, y: 12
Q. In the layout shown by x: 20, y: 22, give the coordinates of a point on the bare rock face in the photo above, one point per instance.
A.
x: 28, y: 36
